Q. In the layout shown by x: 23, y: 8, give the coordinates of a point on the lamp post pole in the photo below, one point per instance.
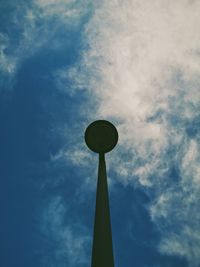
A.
x: 101, y: 137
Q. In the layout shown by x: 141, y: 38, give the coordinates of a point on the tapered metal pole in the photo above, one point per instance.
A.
x: 101, y: 137
x: 102, y: 252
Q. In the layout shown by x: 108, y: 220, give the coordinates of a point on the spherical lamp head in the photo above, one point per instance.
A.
x: 101, y: 136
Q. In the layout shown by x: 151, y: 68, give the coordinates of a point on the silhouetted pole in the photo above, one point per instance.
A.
x: 102, y: 254
x: 101, y: 137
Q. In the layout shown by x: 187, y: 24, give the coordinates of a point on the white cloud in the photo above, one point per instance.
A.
x: 69, y: 241
x: 142, y: 68
x: 190, y: 167
x: 65, y: 11
x: 176, y: 214
x: 7, y: 64
x: 36, y: 25
x: 133, y: 69
x: 180, y: 244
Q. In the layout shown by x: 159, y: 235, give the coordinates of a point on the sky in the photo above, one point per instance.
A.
x: 66, y: 63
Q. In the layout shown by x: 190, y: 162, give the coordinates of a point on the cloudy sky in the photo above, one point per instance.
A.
x: 66, y: 63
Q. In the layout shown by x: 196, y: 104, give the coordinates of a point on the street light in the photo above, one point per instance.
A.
x: 101, y: 137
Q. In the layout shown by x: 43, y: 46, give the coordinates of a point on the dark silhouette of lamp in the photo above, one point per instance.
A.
x: 101, y: 137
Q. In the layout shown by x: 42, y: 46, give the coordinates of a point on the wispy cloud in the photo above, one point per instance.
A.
x: 36, y: 25
x: 67, y: 241
x: 7, y: 64
x: 142, y: 69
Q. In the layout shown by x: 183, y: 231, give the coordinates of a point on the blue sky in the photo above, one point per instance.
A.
x: 66, y: 63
